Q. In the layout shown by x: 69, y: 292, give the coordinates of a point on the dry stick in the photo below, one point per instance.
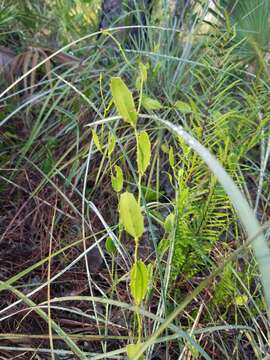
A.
x: 85, y: 337
x: 192, y: 329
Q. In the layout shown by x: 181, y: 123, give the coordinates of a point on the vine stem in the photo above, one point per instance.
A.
x: 138, y: 316
x: 140, y: 175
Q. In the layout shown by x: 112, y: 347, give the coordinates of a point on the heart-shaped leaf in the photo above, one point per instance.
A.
x: 139, y: 279
x: 117, y: 180
x: 96, y: 140
x: 123, y: 101
x: 130, y: 215
x: 111, y: 144
x: 143, y: 152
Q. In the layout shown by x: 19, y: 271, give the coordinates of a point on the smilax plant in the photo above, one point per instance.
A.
x: 131, y: 216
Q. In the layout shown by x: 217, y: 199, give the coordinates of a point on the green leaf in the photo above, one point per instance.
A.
x: 169, y: 223
x: 143, y: 152
x: 47, y: 164
x: 165, y: 148
x: 139, y: 279
x: 150, y: 270
x: 110, y: 247
x: 150, y: 104
x: 241, y: 300
x: 133, y: 349
x: 96, y: 140
x: 117, y: 180
x: 143, y: 71
x: 142, y: 76
x: 130, y: 215
x: 171, y: 157
x: 151, y: 194
x: 183, y: 107
x: 138, y: 83
x: 111, y: 144
x: 123, y: 101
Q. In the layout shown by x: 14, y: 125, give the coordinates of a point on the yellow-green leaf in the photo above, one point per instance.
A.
x: 117, y: 180
x: 123, y: 101
x: 143, y: 152
x: 169, y: 223
x: 139, y: 279
x: 165, y: 148
x: 171, y: 157
x: 111, y: 144
x: 96, y: 140
x: 130, y: 215
x: 150, y: 272
x: 142, y: 76
x: 241, y: 300
x: 143, y: 71
x: 150, y: 104
x: 183, y: 107
x: 132, y: 351
x: 138, y: 83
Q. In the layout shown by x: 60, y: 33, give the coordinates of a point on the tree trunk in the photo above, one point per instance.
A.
x: 111, y: 10
x: 180, y: 9
x: 125, y: 13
